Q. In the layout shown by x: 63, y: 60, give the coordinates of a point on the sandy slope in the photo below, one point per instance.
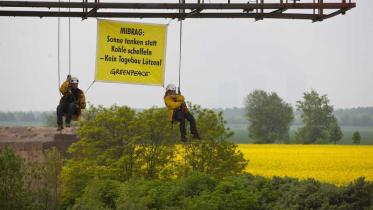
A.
x: 30, y: 134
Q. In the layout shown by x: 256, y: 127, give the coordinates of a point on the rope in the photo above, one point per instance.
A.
x: 170, y: 21
x: 58, y: 52
x: 180, y: 50
x: 180, y: 43
x: 69, y: 41
x: 90, y: 86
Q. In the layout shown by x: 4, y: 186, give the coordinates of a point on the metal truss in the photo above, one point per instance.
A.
x: 317, y: 10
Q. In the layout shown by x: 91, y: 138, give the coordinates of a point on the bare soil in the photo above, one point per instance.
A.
x: 31, y: 134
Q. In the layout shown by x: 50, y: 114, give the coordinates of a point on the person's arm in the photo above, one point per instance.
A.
x: 171, y: 103
x: 64, y: 87
x: 180, y: 98
x: 82, y: 100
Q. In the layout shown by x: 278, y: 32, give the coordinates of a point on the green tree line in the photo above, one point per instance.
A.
x: 31, y: 187
x: 361, y: 116
x: 120, y: 144
x: 30, y: 116
x: 134, y: 160
x: 270, y: 117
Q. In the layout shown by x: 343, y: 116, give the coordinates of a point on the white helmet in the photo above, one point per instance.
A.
x: 74, y: 80
x: 171, y: 87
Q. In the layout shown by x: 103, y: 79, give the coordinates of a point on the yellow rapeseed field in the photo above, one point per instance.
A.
x: 336, y: 164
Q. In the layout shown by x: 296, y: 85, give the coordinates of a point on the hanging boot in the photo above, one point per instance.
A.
x: 59, y: 128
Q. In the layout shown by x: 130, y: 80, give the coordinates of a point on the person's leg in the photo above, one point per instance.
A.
x: 69, y: 113
x: 193, y: 126
x: 60, y: 111
x: 179, y: 116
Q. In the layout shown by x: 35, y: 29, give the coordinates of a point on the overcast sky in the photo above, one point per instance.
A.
x: 223, y: 61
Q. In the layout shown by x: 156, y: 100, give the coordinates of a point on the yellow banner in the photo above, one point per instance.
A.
x: 130, y: 52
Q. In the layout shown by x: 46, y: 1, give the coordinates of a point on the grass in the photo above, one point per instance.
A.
x: 336, y: 164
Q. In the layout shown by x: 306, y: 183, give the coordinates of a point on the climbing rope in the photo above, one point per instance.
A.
x: 180, y: 50
x: 179, y: 87
x: 69, y: 41
x: 90, y: 86
x: 58, y: 51
x: 180, y: 42
x: 59, y: 46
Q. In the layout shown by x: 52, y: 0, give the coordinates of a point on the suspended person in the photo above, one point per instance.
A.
x: 71, y: 103
x: 179, y: 112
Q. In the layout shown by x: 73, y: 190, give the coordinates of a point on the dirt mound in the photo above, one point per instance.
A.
x: 30, y: 134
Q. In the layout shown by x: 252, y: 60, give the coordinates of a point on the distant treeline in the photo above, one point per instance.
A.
x: 30, y: 116
x: 361, y: 116
x: 356, y: 116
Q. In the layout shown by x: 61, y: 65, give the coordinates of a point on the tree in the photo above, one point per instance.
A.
x: 269, y: 116
x: 319, y: 122
x: 99, y: 195
x: 356, y: 137
x: 155, y: 144
x: 17, y: 187
x: 105, y: 151
x: 11, y: 180
x: 335, y: 133
x: 213, y: 155
x: 52, y: 172
x: 119, y: 144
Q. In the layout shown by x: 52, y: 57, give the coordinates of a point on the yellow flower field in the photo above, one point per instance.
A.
x: 335, y: 164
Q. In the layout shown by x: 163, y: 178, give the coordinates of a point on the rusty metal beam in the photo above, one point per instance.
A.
x: 91, y: 12
x: 333, y: 14
x: 161, y: 15
x: 193, y: 12
x: 257, y: 11
x: 191, y: 6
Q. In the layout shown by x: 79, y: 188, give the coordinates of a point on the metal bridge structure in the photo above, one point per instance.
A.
x: 314, y: 10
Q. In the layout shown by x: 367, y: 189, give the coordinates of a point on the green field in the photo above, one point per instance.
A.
x: 241, y: 134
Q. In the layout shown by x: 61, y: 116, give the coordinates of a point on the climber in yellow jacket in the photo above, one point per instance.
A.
x: 179, y: 112
x: 71, y: 103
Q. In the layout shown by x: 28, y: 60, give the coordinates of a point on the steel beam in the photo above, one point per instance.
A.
x: 257, y: 10
x: 191, y: 6
x: 161, y: 15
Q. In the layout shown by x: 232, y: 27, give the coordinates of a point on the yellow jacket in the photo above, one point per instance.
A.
x: 173, y: 103
x: 81, y: 98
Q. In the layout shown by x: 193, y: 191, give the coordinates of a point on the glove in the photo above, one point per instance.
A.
x: 184, y: 107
